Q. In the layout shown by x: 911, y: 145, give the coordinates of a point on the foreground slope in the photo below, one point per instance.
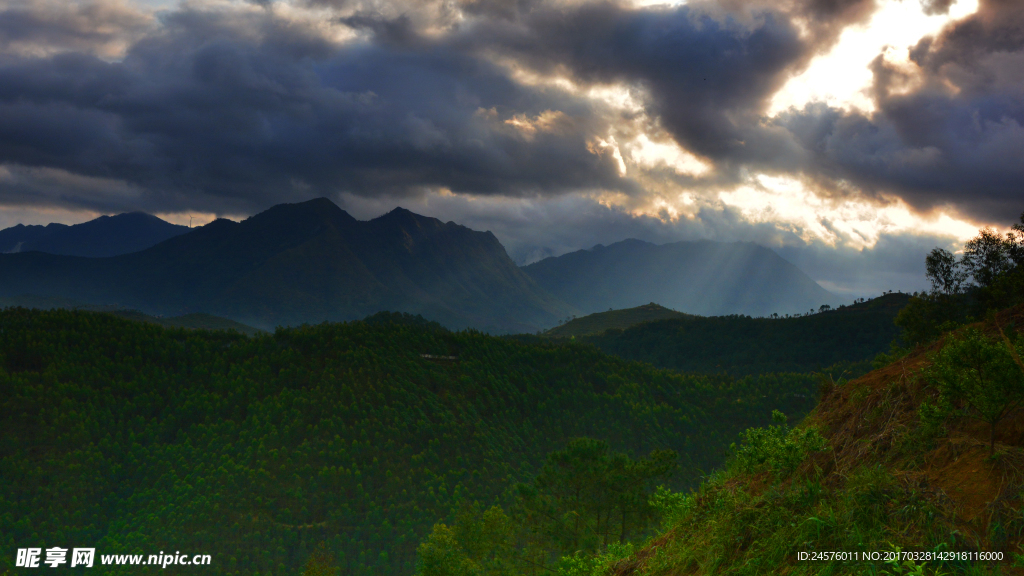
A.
x: 133, y: 438
x: 705, y: 278
x: 876, y: 467
x: 104, y: 236
x: 305, y: 262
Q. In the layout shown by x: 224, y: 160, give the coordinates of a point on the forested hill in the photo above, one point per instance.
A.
x: 598, y: 322
x: 920, y: 461
x: 305, y: 263
x: 195, y: 320
x: 744, y: 345
x: 131, y: 437
x: 705, y: 277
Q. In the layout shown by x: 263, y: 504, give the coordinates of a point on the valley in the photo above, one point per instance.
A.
x: 635, y: 441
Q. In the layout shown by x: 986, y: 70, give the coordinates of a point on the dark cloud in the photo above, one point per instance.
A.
x: 708, y: 70
x: 398, y: 32
x: 708, y: 80
x: 225, y: 110
x: 232, y: 110
x: 218, y: 113
x: 504, y: 9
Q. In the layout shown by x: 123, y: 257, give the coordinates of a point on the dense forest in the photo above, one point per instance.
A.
x: 922, y: 456
x: 135, y: 438
x: 913, y: 469
x: 849, y: 336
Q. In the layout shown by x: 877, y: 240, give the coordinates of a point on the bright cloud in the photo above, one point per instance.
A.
x: 855, y: 223
x: 842, y: 77
x: 667, y: 153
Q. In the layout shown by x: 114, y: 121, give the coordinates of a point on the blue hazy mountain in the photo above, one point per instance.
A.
x: 104, y: 236
x: 704, y: 277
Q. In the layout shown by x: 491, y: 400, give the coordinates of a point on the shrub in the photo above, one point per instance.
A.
x: 981, y: 374
x: 777, y: 448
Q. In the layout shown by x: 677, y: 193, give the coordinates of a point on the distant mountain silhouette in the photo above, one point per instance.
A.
x: 104, y: 236
x: 704, y: 277
x: 305, y: 262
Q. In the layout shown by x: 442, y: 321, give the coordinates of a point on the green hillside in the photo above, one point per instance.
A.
x: 898, y: 461
x: 739, y: 345
x: 915, y: 468
x: 620, y: 319
x: 134, y: 438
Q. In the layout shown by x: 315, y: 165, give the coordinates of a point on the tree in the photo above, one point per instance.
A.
x: 320, y: 563
x: 944, y: 272
x: 488, y: 539
x: 987, y: 256
x: 441, y: 555
x: 988, y: 276
x: 586, y: 497
x: 985, y: 375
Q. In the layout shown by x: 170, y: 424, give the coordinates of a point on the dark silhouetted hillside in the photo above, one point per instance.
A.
x: 305, y: 263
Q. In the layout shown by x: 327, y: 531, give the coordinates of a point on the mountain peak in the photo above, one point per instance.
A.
x: 402, y: 218
x: 309, y: 212
x: 307, y: 262
x: 629, y: 243
x: 400, y: 213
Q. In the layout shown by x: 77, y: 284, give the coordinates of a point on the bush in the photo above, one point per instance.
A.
x: 777, y: 448
x: 982, y: 375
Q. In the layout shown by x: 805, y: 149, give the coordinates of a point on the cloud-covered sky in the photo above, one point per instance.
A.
x: 850, y: 135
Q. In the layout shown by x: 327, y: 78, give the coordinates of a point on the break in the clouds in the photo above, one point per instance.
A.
x: 949, y: 125
x: 556, y: 123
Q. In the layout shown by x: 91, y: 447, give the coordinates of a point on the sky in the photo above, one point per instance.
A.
x: 851, y: 136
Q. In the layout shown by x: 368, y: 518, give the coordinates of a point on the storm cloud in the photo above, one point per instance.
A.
x: 223, y: 112
x: 233, y: 110
x: 228, y: 108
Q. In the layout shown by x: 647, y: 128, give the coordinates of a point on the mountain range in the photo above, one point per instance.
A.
x: 704, y: 277
x: 312, y: 262
x: 104, y: 236
x: 305, y: 263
